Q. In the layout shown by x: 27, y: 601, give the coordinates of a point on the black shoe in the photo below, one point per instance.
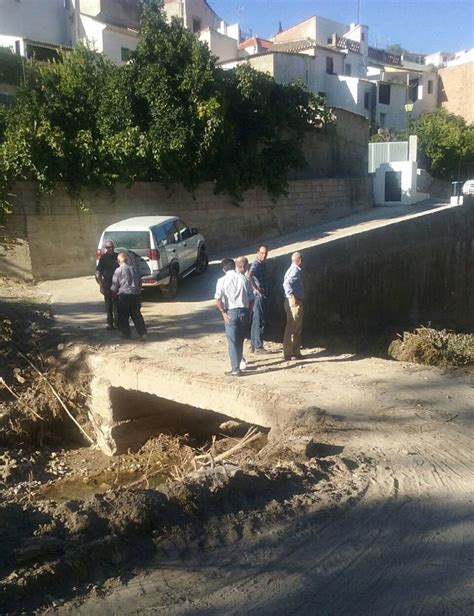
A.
x: 299, y: 356
x: 110, y: 327
x: 287, y: 357
x: 233, y: 373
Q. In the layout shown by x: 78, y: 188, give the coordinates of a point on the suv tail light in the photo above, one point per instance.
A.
x: 154, y: 254
x: 98, y: 254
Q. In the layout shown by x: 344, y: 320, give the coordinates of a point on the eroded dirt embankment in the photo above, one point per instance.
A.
x: 383, y: 489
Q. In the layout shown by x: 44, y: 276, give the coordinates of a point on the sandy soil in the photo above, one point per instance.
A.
x: 392, y: 534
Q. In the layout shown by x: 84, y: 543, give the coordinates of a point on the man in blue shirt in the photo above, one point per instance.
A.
x: 258, y: 278
x: 294, y: 294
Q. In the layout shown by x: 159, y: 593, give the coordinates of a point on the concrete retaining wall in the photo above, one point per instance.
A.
x: 415, y: 271
x: 51, y: 237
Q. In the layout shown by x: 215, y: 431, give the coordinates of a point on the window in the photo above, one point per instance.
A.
x: 430, y: 86
x: 17, y: 48
x: 384, y: 93
x: 348, y: 69
x: 362, y: 36
x: 329, y: 65
x: 367, y: 100
x: 196, y: 24
x: 184, y: 231
x: 125, y: 53
x: 383, y: 117
x: 132, y: 240
x: 413, y: 90
x: 329, y: 40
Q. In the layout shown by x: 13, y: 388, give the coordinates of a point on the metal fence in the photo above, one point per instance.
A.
x: 387, y: 152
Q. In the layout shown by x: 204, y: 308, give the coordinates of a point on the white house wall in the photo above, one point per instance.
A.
x: 325, y: 28
x: 224, y: 47
x: 426, y: 102
x: 396, y: 117
x: 114, y: 41
x: 41, y: 20
x: 197, y: 9
x: 92, y: 30
x: 304, y: 30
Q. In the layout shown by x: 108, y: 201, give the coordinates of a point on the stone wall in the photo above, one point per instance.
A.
x: 456, y: 90
x: 52, y: 237
x: 415, y: 271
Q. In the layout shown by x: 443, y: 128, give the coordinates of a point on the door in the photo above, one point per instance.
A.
x: 393, y: 186
x: 187, y: 247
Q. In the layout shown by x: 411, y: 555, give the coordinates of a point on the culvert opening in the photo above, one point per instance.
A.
x: 140, y: 416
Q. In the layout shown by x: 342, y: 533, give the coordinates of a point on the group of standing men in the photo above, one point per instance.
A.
x: 241, y: 298
x: 120, y: 284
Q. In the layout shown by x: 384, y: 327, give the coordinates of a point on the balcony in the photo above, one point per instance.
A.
x: 381, y: 56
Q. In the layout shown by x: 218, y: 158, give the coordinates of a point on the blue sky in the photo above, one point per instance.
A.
x: 418, y: 25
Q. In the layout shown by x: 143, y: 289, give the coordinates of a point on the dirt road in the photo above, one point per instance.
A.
x: 401, y: 541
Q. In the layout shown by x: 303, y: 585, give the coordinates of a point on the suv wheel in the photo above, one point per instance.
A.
x: 202, y: 261
x: 171, y: 289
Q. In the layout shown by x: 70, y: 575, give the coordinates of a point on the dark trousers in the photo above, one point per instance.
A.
x: 258, y: 322
x: 129, y: 306
x: 110, y: 306
x: 235, y: 332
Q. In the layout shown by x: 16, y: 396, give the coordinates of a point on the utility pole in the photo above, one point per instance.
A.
x: 358, y: 12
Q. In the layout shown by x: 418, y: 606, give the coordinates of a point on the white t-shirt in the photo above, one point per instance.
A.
x: 234, y: 290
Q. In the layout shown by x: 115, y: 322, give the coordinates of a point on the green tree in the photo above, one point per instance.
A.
x: 445, y: 142
x: 395, y: 48
x: 169, y: 115
x: 11, y: 67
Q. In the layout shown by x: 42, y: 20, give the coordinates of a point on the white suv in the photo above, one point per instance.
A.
x: 163, y: 248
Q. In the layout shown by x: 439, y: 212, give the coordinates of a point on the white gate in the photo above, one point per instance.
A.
x: 387, y: 152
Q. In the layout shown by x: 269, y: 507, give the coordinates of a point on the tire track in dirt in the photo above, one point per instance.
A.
x: 404, y: 548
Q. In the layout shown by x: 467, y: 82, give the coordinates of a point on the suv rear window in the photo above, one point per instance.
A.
x: 133, y: 240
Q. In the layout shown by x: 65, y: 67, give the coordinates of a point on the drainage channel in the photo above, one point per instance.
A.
x: 125, y: 419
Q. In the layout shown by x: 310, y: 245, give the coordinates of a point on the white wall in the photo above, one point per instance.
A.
x: 43, y: 20
x: 198, y: 9
x: 113, y: 42
x: 9, y: 41
x: 395, y: 115
x: 224, y: 47
x: 325, y: 28
x: 107, y: 39
x: 426, y: 102
x: 303, y: 30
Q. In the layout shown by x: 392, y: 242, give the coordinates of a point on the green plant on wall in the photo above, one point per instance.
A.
x: 11, y: 67
x: 168, y: 115
x: 445, y: 141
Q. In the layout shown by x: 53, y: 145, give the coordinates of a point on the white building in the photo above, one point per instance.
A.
x: 349, y: 73
x: 39, y: 27
x: 30, y: 27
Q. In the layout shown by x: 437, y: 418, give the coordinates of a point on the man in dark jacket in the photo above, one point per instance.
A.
x: 104, y: 273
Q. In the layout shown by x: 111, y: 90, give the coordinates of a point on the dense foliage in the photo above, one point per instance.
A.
x: 445, y: 141
x: 169, y: 115
x: 11, y: 67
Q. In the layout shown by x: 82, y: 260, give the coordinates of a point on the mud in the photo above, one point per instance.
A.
x: 357, y: 505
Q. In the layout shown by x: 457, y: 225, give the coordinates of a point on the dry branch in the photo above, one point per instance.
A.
x: 57, y: 396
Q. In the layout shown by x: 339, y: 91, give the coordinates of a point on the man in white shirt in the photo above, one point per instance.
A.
x: 233, y: 299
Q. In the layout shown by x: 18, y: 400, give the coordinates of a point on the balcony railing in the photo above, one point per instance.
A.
x: 344, y: 43
x: 382, y: 56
